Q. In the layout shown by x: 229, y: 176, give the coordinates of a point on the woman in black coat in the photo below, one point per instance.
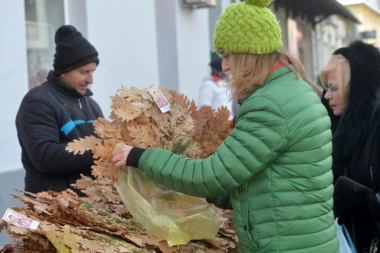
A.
x: 352, y: 96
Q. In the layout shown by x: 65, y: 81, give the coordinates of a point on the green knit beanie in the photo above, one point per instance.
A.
x: 248, y: 27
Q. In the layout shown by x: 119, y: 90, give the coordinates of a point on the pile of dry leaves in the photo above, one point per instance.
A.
x: 100, y: 222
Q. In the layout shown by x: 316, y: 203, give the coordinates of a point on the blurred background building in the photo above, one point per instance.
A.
x: 314, y: 30
x: 368, y: 13
x: 144, y: 42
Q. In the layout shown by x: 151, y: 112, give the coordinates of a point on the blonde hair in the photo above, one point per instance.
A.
x: 339, y: 65
x: 250, y: 71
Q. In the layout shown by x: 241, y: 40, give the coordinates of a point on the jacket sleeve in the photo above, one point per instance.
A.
x: 39, y: 134
x: 259, y: 137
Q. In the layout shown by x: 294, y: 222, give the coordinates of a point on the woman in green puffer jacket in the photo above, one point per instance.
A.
x: 275, y: 165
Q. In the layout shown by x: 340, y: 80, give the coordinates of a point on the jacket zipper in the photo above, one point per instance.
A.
x: 84, y: 112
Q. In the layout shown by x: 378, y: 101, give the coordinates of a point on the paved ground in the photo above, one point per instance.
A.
x: 8, y: 182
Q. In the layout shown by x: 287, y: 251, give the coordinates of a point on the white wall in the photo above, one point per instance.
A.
x: 167, y: 44
x: 214, y: 15
x: 13, y: 79
x: 124, y: 33
x: 76, y: 14
x: 193, y: 47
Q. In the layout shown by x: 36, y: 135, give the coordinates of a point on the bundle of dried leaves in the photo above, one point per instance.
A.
x: 137, y: 121
x: 100, y: 222
x: 97, y: 223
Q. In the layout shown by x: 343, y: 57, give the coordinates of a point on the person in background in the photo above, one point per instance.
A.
x: 214, y: 91
x: 57, y: 112
x: 276, y: 163
x: 352, y: 95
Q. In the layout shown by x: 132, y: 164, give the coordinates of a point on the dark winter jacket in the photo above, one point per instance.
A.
x: 50, y: 116
x: 354, y: 131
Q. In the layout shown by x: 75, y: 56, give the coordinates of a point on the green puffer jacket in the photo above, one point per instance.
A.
x: 276, y: 165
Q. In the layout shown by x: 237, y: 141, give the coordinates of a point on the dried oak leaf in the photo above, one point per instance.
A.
x: 111, y: 194
x: 82, y: 145
x: 143, y: 120
x: 142, y: 135
x: 222, y: 123
x: 184, y: 129
x: 18, y: 231
x: 47, y: 196
x: 95, y: 194
x: 194, y: 151
x: 105, y: 169
x: 83, y: 183
x: 200, y: 121
x: 184, y: 101
x: 3, y: 225
x: 133, y: 94
x: 38, y: 207
x: 40, y: 239
x: 104, y: 151
x: 107, y: 130
x: 67, y: 199
x: 128, y: 111
x: 125, y: 133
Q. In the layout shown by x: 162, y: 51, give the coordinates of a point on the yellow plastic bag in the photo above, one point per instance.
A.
x: 163, y: 212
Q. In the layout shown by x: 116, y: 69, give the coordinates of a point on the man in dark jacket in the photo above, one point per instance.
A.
x: 57, y: 112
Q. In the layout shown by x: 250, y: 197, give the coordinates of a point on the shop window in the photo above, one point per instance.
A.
x: 42, y: 19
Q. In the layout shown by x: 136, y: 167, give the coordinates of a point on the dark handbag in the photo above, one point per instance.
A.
x: 349, y: 197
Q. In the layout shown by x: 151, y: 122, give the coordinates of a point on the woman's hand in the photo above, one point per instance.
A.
x: 120, y: 156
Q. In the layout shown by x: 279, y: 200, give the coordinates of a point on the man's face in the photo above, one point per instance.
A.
x: 80, y: 78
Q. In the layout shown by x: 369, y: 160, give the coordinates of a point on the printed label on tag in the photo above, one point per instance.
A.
x: 19, y: 219
x: 160, y: 99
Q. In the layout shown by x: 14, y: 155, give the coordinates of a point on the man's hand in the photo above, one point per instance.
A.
x: 120, y: 156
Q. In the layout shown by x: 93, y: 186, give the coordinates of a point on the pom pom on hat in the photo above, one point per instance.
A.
x: 258, y: 3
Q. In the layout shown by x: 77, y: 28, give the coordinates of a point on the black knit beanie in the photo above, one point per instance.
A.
x: 72, y: 50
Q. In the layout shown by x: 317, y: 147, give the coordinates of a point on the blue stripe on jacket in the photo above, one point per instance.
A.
x: 69, y: 126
